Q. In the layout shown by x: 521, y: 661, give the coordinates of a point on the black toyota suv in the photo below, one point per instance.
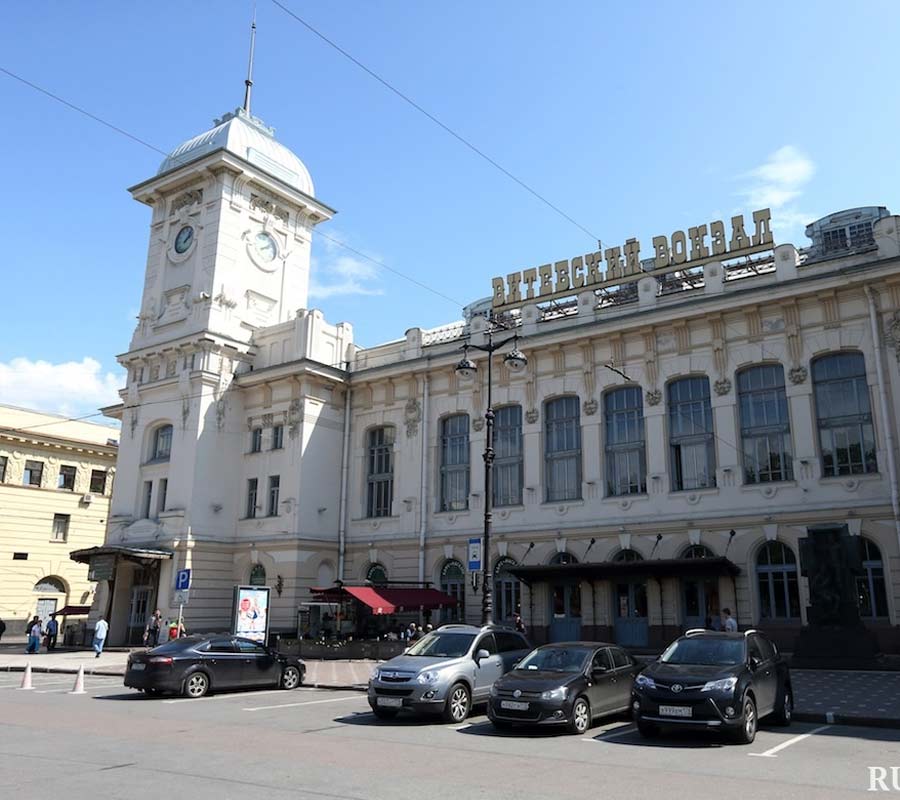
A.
x: 715, y: 681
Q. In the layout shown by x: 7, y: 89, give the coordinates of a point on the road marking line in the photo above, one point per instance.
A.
x: 461, y: 727
x: 232, y: 695
x: 306, y: 703
x: 772, y: 751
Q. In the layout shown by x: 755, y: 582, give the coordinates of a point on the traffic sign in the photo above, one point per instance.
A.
x: 180, y: 597
x: 474, y: 553
x: 183, y: 579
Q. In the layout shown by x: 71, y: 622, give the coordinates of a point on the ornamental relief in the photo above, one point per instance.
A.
x: 412, y: 416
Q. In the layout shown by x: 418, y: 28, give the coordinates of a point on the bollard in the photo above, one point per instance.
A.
x: 78, y: 688
x: 26, y: 678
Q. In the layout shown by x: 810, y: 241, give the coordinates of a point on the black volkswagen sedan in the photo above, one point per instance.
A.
x: 196, y: 665
x: 567, y: 684
x: 714, y: 681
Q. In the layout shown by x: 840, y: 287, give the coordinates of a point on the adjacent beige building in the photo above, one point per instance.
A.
x: 55, y: 482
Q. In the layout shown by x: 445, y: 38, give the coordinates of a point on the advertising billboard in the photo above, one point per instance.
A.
x: 250, y: 613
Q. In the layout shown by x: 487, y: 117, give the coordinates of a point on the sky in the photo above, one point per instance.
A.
x: 633, y: 119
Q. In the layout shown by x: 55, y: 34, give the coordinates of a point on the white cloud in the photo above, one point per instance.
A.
x: 776, y: 184
x: 72, y: 388
x: 336, y: 271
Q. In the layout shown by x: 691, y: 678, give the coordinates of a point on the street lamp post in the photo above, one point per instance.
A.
x: 515, y: 361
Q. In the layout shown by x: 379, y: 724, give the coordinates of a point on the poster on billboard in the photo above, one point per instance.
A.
x: 250, y: 614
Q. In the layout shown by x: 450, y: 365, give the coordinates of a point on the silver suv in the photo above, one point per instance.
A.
x: 446, y: 671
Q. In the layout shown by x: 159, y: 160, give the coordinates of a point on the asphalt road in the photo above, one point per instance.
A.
x: 317, y: 744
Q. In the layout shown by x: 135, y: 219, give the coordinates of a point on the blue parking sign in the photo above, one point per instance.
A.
x: 474, y: 554
x: 182, y: 579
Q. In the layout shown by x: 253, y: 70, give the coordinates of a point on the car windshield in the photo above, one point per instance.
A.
x: 442, y: 645
x: 706, y: 652
x: 556, y: 659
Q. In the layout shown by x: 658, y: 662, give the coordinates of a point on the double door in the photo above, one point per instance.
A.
x: 565, y: 612
x: 701, y: 602
x: 632, y: 625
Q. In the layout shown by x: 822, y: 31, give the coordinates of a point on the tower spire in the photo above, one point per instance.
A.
x: 249, y: 82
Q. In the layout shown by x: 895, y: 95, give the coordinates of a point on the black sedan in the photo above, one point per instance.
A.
x: 567, y: 684
x: 714, y: 681
x: 196, y: 665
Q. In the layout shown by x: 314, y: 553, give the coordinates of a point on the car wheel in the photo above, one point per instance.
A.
x: 647, y: 730
x: 581, y: 716
x: 384, y: 713
x: 290, y: 678
x: 785, y: 711
x: 746, y: 733
x: 196, y: 685
x: 458, y: 705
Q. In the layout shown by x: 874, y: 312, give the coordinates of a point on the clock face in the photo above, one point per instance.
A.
x: 265, y: 245
x: 184, y: 239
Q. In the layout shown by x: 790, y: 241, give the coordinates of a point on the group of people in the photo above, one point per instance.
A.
x: 39, y: 632
x: 722, y: 621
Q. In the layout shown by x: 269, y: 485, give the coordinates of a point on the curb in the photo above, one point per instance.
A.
x: 831, y: 718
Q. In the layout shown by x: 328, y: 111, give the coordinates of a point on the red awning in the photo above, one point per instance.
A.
x: 72, y: 611
x: 386, y: 600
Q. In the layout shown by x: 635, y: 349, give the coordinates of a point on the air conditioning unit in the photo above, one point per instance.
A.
x: 87, y: 499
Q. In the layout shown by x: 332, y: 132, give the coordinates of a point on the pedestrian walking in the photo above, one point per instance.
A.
x: 729, y: 623
x: 52, y: 632
x: 520, y: 626
x: 151, y: 633
x: 2, y: 628
x: 34, y: 635
x: 101, y: 629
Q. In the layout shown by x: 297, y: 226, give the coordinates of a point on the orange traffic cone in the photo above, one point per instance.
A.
x: 78, y: 688
x: 26, y: 678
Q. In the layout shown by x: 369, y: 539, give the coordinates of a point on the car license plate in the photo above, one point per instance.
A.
x: 138, y: 667
x: 675, y: 711
x: 390, y: 702
x: 514, y: 705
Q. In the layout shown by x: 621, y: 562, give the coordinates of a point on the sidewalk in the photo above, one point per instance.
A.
x: 826, y: 696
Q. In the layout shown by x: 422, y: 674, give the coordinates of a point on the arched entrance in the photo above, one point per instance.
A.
x: 51, y: 593
x: 632, y: 625
x: 565, y: 604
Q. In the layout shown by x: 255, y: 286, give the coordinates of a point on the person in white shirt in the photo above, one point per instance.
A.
x: 100, y: 631
x: 729, y: 624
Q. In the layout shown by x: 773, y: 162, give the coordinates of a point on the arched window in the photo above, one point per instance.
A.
x: 455, y: 463
x: 257, y: 575
x: 691, y: 441
x: 776, y: 577
x: 870, y: 586
x: 380, y: 471
x: 627, y: 555
x: 50, y: 585
x: 765, y: 426
x: 377, y: 574
x: 453, y: 582
x: 626, y: 460
x: 697, y: 551
x: 562, y: 450
x: 846, y: 436
x: 507, y: 590
x: 563, y: 558
x: 508, y: 458
x: 162, y: 443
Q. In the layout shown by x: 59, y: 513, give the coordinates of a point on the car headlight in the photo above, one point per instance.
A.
x: 723, y: 685
x: 428, y: 678
x: 554, y: 694
x: 376, y: 674
x: 494, y: 690
x: 644, y: 682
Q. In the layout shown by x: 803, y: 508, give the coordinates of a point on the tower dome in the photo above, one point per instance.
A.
x: 249, y: 138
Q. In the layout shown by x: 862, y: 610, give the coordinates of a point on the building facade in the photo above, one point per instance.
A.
x: 56, y: 478
x: 681, y: 422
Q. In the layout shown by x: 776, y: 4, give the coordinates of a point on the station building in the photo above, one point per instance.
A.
x: 682, y: 420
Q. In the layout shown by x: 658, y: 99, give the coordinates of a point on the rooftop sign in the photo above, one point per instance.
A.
x: 702, y: 244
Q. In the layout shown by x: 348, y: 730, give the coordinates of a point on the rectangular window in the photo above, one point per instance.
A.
x: 252, y: 490
x: 274, y: 489
x: 508, y: 456
x: 277, y: 437
x: 256, y: 440
x: 66, y: 478
x: 3, y: 460
x: 626, y: 460
x: 61, y: 527
x: 161, y: 498
x: 765, y: 426
x: 34, y: 470
x: 98, y: 481
x: 691, y: 440
x: 562, y: 452
x: 148, y: 499
x: 380, y: 472
x: 455, y: 463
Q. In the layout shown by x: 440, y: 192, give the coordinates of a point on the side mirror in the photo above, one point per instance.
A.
x: 754, y: 662
x: 598, y: 672
x: 480, y: 655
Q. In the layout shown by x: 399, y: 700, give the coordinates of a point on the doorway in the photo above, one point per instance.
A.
x: 630, y: 608
x: 701, y: 602
x: 46, y: 606
x: 138, y: 610
x: 565, y: 612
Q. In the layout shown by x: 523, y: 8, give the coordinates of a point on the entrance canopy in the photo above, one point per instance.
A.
x: 135, y: 552
x: 607, y: 570
x: 388, y: 600
x: 72, y: 611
